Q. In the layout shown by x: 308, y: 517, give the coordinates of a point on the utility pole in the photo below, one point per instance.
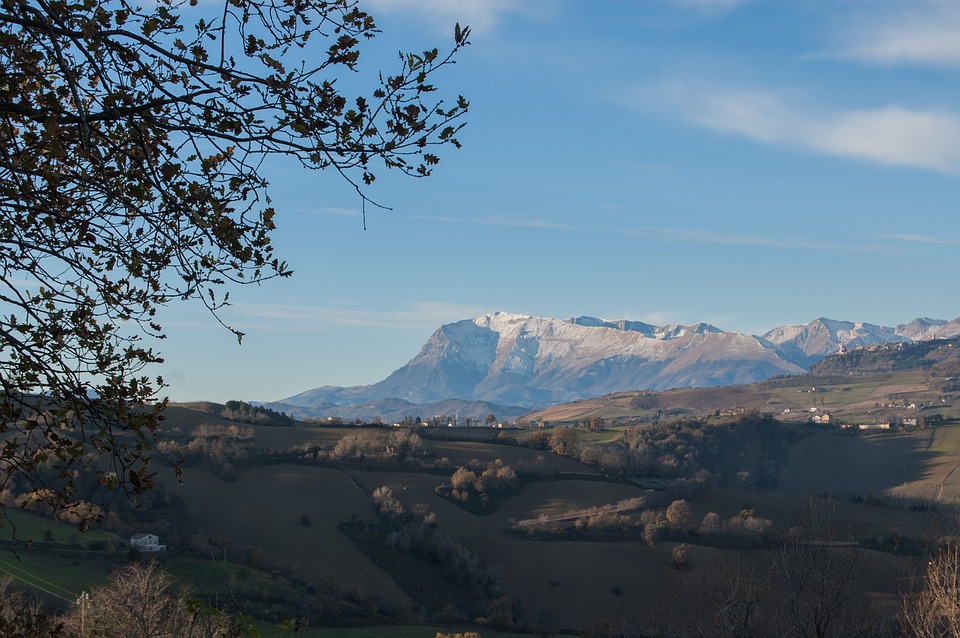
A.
x: 83, y: 602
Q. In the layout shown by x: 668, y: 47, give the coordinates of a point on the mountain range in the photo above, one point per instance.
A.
x: 512, y: 362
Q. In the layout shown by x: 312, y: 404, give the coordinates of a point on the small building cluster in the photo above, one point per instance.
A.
x: 147, y: 543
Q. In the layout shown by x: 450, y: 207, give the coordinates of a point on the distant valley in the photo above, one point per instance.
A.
x: 508, y: 364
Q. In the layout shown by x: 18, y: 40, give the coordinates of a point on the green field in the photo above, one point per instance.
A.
x: 62, y: 575
x: 26, y: 526
x: 263, y: 508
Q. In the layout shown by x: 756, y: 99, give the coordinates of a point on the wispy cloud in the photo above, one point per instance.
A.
x: 734, y: 239
x: 660, y: 317
x: 890, y: 135
x: 22, y: 282
x: 329, y: 210
x: 711, y: 7
x: 301, y: 318
x: 923, y: 32
x: 658, y: 169
x: 498, y: 220
x: 662, y: 234
x: 517, y: 222
x: 921, y: 239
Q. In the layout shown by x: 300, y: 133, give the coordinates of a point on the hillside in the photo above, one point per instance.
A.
x: 861, y: 385
x: 533, y: 530
x: 937, y: 357
x: 651, y: 498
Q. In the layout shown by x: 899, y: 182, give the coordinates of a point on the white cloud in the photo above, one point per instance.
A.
x: 919, y: 32
x: 890, y: 135
x: 893, y: 135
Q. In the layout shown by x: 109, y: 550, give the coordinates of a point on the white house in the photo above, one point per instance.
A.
x: 147, y: 543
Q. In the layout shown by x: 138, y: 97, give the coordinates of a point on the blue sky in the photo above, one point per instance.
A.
x: 744, y: 163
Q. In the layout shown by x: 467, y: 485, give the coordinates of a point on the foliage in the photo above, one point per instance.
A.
x: 243, y: 411
x: 131, y: 147
x: 746, y: 451
x: 680, y: 556
x: 481, y: 493
x: 563, y: 441
x: 399, y: 443
x: 678, y: 513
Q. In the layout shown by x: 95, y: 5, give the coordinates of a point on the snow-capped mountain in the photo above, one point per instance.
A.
x: 806, y: 344
x: 925, y: 329
x: 513, y: 359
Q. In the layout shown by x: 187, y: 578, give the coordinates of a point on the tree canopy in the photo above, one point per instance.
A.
x: 132, y: 140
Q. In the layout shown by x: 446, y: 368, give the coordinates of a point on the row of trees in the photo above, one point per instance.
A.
x: 634, y: 519
x: 258, y: 414
x: 398, y: 443
x: 746, y: 452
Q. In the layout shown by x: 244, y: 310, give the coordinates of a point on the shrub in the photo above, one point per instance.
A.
x: 680, y: 556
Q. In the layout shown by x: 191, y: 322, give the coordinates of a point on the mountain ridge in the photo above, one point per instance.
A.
x: 510, y: 359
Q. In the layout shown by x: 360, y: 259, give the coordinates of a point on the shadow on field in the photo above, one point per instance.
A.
x: 894, y: 464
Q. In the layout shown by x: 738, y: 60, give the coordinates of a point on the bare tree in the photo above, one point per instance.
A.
x: 139, y: 602
x: 23, y: 616
x: 738, y: 587
x: 933, y: 611
x: 821, y: 571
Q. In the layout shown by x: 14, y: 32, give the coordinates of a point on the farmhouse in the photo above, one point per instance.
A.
x: 147, y: 543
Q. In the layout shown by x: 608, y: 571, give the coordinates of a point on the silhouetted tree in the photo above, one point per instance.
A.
x: 131, y: 147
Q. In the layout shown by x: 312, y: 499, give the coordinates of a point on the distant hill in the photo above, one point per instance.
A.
x: 519, y: 360
x: 396, y: 410
x: 936, y: 356
x: 863, y: 385
x: 241, y: 412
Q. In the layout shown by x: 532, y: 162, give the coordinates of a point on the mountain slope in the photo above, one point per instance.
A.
x: 513, y: 359
x: 806, y: 344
